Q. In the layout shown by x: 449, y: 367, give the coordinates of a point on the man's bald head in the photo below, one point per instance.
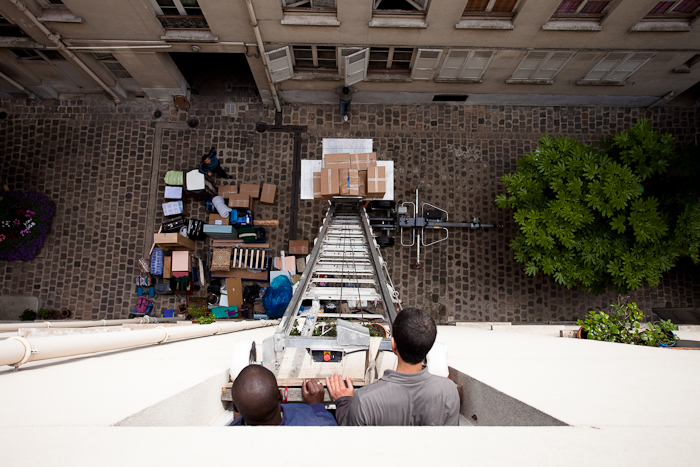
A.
x: 256, y: 396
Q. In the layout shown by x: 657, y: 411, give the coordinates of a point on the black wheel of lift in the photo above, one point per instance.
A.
x: 385, y: 241
x: 383, y: 204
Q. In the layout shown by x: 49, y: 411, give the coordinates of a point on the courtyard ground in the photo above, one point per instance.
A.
x: 103, y: 166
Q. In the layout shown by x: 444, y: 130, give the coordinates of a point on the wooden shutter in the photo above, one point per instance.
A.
x: 605, y: 66
x: 454, y: 63
x: 356, y: 67
x: 425, y: 64
x: 476, y: 65
x: 280, y: 64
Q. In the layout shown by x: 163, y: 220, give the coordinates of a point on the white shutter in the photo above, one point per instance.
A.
x: 476, y: 65
x: 425, y: 64
x: 529, y: 65
x: 628, y: 66
x: 552, y: 65
x: 356, y: 67
x: 605, y: 66
x: 453, y: 64
x: 280, y: 64
x: 376, y: 3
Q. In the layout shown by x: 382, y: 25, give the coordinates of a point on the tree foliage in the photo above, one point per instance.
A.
x: 599, y: 218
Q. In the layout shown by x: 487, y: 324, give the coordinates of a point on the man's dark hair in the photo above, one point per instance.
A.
x: 346, y: 90
x: 414, y: 332
x: 255, y: 394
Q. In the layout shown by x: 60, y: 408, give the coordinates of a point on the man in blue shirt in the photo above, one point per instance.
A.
x: 210, y: 165
x: 258, y: 399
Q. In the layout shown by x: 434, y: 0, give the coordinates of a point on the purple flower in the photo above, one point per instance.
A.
x: 39, y: 210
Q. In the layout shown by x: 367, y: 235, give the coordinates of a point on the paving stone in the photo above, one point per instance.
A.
x: 96, y: 161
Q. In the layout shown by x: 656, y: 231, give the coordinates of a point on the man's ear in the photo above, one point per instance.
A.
x: 393, y: 345
x: 280, y: 395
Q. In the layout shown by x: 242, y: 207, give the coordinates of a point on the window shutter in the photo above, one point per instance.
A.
x: 605, y: 66
x: 628, y: 66
x: 323, y: 3
x: 452, y: 66
x: 529, y: 65
x: 426, y: 63
x: 476, y: 65
x: 552, y: 65
x: 280, y: 64
x: 418, y: 4
x: 356, y: 67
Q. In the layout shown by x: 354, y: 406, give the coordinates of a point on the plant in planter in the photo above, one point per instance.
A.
x: 49, y: 314
x: 624, y: 324
x: 207, y: 319
x: 195, y: 311
x: 28, y: 315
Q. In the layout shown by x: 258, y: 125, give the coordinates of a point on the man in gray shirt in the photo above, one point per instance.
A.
x: 408, y: 396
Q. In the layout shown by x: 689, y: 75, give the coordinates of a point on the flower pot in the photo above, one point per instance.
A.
x: 582, y: 333
x: 661, y: 344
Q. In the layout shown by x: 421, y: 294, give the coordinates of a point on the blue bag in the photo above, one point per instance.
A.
x: 277, y: 297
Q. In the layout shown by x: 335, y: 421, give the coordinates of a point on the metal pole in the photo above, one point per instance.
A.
x: 261, y: 48
x: 20, y: 87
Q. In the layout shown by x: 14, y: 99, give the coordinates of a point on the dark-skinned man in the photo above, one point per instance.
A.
x: 258, y: 399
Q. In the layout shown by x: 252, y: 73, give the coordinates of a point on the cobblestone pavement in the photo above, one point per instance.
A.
x: 97, y: 162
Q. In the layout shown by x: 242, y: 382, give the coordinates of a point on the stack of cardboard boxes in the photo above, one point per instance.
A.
x: 350, y: 175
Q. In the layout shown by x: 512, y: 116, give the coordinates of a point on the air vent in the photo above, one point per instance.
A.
x: 230, y: 108
x: 449, y: 98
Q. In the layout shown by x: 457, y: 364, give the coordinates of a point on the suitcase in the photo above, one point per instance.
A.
x: 174, y: 224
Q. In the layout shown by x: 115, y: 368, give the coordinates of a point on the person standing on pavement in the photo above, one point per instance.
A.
x: 408, y: 396
x: 210, y: 165
x: 345, y: 100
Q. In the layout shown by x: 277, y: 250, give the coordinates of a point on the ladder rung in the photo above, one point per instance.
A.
x: 347, y: 293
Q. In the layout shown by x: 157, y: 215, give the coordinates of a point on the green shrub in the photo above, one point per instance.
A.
x: 28, y: 315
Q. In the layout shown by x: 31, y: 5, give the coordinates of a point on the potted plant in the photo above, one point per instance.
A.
x: 624, y: 324
x: 194, y: 312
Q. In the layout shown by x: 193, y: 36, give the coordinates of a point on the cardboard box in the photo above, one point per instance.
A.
x: 349, y: 182
x: 337, y: 161
x: 317, y: 185
x: 268, y: 193
x: 362, y: 161
x: 376, y: 181
x: 290, y: 263
x: 215, y: 219
x: 298, y: 247
x: 234, y: 290
x: 329, y: 182
x: 173, y: 241
x: 181, y: 261
x: 226, y: 190
x: 362, y: 185
x: 167, y: 267
x: 240, y: 201
x: 301, y: 265
x: 251, y: 190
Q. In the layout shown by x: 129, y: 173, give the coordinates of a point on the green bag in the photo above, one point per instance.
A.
x: 173, y: 177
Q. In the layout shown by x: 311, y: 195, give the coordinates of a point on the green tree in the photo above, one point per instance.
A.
x: 603, y: 218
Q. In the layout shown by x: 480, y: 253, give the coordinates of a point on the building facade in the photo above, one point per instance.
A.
x: 538, y: 52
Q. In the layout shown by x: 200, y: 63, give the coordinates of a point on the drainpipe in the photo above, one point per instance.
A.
x: 261, y: 48
x: 20, y: 87
x: 74, y: 323
x: 56, y: 39
x: 17, y: 351
x: 662, y: 100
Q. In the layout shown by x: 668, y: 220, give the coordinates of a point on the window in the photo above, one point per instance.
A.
x: 465, y: 65
x: 26, y: 54
x: 675, y: 9
x: 112, y: 64
x: 401, y: 7
x: 498, y: 8
x: 540, y: 67
x: 55, y: 11
x: 319, y: 57
x: 390, y: 59
x: 583, y: 9
x: 616, y: 67
x: 279, y: 62
x: 10, y: 29
x: 426, y: 62
x: 309, y: 5
x: 180, y: 14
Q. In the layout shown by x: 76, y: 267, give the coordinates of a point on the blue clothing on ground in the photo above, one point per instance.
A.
x: 206, y: 168
x: 302, y: 415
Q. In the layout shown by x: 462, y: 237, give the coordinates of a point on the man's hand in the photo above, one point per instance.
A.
x: 210, y: 174
x: 338, y: 388
x: 312, y: 390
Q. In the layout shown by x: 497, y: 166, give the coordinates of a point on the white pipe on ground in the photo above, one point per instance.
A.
x: 73, y: 323
x: 18, y: 350
x: 56, y: 39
